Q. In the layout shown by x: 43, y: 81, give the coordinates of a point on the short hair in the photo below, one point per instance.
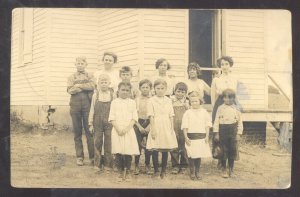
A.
x: 194, y: 65
x: 124, y: 83
x: 226, y: 58
x: 81, y: 59
x: 181, y: 86
x: 145, y: 81
x: 229, y: 92
x: 196, y: 94
x: 160, y: 61
x: 125, y: 69
x: 102, y: 77
x: 110, y: 54
x: 160, y: 82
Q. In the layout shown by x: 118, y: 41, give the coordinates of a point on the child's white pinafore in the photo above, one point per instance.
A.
x: 161, y: 109
x: 123, y: 111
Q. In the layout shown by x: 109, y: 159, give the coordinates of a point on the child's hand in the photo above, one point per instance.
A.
x: 153, y: 135
x: 91, y: 128
x: 217, y: 137
x: 147, y: 130
x: 142, y: 130
x: 206, y: 140
x: 187, y: 141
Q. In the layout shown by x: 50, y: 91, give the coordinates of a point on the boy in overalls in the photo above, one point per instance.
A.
x: 80, y: 86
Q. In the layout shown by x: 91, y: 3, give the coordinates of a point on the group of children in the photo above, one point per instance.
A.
x: 161, y: 116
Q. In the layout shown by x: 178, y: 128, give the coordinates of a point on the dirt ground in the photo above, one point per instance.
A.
x: 45, y: 159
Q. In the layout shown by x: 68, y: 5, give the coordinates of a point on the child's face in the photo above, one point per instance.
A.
x: 163, y: 67
x: 225, y: 66
x: 179, y: 94
x: 124, y: 92
x: 193, y: 73
x: 195, y: 102
x: 108, y: 61
x: 228, y: 100
x: 145, y: 89
x: 103, y: 84
x: 80, y: 66
x: 126, y: 76
x: 160, y: 90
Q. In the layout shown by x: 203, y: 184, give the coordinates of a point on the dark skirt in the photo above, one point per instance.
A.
x: 228, y: 141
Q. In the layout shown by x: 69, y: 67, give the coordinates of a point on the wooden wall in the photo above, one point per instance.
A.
x: 243, y: 38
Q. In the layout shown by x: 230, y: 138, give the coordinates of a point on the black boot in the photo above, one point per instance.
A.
x: 192, y: 169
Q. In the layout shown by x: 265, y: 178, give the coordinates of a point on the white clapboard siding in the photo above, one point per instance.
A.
x: 27, y: 81
x: 118, y: 32
x: 243, y: 38
x: 73, y: 33
x: 165, y: 36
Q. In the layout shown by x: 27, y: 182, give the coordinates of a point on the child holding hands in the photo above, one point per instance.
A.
x: 142, y: 127
x: 163, y: 137
x: 195, y: 124
x: 123, y: 115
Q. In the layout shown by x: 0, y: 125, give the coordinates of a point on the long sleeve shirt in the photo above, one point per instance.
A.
x: 228, y: 114
x: 86, y: 80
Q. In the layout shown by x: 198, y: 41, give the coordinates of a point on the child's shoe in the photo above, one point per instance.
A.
x: 163, y: 174
x: 192, y: 176
x: 175, y: 170
x: 79, y: 161
x: 148, y: 170
x: 155, y: 175
x: 225, y: 174
x: 198, y: 176
x: 136, y: 170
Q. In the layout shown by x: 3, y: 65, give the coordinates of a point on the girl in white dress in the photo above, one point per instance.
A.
x: 123, y: 115
x: 195, y: 125
x: 163, y: 137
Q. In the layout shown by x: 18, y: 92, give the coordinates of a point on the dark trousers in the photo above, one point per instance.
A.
x: 228, y: 142
x: 80, y: 120
x: 107, y: 159
x: 123, y: 161
x: 164, y: 161
x: 139, y: 136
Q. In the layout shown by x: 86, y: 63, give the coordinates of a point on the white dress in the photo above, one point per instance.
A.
x: 161, y: 109
x: 196, y: 120
x: 123, y: 111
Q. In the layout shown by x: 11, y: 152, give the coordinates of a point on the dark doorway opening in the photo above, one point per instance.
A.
x: 201, y: 32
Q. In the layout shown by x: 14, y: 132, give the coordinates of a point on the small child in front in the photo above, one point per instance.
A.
x: 123, y: 115
x: 180, y: 105
x: 163, y: 137
x: 228, y: 127
x: 142, y: 127
x: 98, y: 121
x: 195, y: 124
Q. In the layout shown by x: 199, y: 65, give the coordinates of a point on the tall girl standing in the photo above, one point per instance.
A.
x: 163, y: 137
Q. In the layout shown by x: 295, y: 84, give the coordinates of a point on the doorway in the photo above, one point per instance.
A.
x: 203, y: 41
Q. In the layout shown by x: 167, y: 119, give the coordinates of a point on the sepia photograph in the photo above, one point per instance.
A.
x: 151, y: 98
